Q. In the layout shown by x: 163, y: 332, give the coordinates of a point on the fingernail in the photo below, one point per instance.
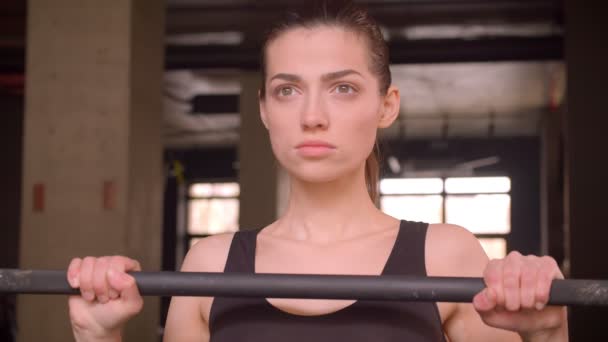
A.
x: 491, y: 296
x: 113, y: 294
x: 74, y: 282
x: 102, y: 299
x: 88, y: 296
x: 120, y: 276
x: 539, y: 306
x: 124, y: 277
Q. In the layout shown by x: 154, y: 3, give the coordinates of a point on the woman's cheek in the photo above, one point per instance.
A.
x: 366, y: 129
x: 280, y: 145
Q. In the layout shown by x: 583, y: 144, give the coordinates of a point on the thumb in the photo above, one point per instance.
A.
x: 126, y: 286
x: 485, y: 300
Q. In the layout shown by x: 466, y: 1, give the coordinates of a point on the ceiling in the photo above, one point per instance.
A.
x: 465, y: 67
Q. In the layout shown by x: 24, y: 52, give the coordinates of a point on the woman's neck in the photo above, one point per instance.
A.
x: 331, y: 211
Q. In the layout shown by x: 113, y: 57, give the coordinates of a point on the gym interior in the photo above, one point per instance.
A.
x: 132, y: 127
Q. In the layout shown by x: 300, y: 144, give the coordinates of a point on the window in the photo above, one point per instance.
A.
x: 213, y: 208
x: 480, y: 204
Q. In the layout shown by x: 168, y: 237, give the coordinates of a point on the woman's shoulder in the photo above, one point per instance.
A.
x: 441, y: 232
x: 208, y: 254
x: 452, y: 250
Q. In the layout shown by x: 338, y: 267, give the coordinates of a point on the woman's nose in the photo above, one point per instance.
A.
x: 314, y: 115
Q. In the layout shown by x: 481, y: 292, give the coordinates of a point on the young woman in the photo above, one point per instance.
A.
x: 327, y: 90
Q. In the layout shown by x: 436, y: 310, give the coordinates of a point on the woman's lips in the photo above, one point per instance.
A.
x: 314, y: 148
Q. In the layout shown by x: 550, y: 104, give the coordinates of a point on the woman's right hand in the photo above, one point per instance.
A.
x: 109, y: 296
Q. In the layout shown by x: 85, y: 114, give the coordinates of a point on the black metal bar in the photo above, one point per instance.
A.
x: 488, y: 49
x: 403, y: 288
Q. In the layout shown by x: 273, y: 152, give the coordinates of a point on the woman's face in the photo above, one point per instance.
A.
x: 323, y: 105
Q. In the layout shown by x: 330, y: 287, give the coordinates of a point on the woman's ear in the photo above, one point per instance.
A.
x: 262, y: 110
x: 390, y: 107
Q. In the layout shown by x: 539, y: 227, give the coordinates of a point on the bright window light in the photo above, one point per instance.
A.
x: 404, y: 186
x: 423, y: 208
x: 206, y: 190
x: 477, y: 185
x: 481, y: 214
x: 201, y: 190
x: 495, y: 248
x: 213, y: 216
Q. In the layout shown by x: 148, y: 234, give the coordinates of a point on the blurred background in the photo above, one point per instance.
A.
x: 131, y: 127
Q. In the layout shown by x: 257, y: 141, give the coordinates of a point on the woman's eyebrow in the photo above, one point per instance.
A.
x: 338, y: 74
x: 331, y: 76
x: 287, y: 77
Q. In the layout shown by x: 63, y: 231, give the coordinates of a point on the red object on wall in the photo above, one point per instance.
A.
x: 109, y: 195
x: 38, y: 198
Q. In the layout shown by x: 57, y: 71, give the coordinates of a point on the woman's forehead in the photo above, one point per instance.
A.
x: 317, y: 50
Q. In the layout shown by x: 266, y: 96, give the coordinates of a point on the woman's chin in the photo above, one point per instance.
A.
x: 315, y: 179
x: 320, y: 175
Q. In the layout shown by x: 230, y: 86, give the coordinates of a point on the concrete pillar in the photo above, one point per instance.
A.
x: 264, y: 184
x: 585, y: 133
x: 92, y: 182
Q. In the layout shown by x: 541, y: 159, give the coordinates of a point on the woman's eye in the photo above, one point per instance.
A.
x: 344, y: 89
x: 286, y: 91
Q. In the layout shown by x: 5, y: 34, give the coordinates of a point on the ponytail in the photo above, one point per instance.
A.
x: 372, y: 173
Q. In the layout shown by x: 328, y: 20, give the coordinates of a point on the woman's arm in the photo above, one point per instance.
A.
x: 454, y: 251
x: 187, y: 319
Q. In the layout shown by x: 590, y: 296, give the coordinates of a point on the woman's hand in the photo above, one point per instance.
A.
x: 516, y: 296
x: 109, y: 296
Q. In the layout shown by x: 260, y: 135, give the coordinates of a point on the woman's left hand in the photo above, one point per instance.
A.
x: 516, y: 296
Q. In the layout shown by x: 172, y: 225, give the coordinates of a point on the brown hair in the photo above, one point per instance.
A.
x: 349, y: 16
